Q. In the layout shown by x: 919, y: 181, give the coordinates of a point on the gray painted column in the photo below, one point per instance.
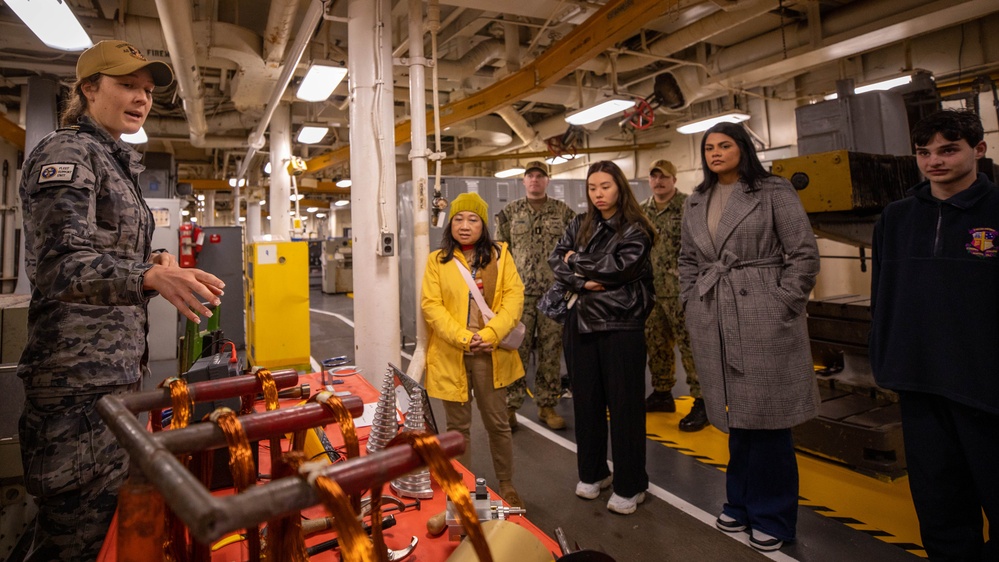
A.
x: 40, y: 118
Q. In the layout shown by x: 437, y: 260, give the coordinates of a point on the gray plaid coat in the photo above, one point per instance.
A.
x: 745, y: 306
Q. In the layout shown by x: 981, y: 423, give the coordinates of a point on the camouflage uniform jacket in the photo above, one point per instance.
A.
x: 667, y: 247
x: 87, y: 240
x: 532, y: 235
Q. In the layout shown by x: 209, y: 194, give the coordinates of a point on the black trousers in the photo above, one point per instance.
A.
x: 607, y: 370
x: 952, y: 451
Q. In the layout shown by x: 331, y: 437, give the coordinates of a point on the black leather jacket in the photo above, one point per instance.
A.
x: 617, y: 256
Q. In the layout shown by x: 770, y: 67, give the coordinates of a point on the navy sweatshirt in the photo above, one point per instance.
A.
x: 935, y: 295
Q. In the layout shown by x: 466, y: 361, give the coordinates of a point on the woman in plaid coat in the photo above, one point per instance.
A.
x: 748, y: 261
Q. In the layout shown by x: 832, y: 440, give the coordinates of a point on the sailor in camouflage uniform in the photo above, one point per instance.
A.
x: 532, y: 226
x: 664, y: 328
x: 87, y: 242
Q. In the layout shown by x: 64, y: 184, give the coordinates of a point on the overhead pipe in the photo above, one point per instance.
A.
x: 851, y: 20
x: 545, y: 153
x: 616, y: 20
x: 688, y: 35
x: 256, y: 139
x: 178, y: 28
x: 474, y: 59
x: 279, y: 22
x: 520, y: 126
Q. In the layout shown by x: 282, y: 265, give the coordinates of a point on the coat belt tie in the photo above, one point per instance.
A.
x: 716, y: 275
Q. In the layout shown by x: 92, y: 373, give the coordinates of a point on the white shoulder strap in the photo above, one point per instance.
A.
x: 487, y: 313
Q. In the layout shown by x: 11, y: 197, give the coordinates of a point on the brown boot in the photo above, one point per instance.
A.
x: 551, y: 417
x: 512, y: 413
x: 509, y: 494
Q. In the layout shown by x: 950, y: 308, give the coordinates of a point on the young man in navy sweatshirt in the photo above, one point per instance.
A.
x: 935, y: 334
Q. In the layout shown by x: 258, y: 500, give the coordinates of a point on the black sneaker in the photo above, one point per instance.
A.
x: 660, y: 401
x: 697, y: 419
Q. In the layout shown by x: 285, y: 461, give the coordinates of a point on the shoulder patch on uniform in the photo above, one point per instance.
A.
x: 56, y: 172
x: 983, y: 242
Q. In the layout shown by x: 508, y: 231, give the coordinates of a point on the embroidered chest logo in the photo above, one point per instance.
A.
x: 983, y: 242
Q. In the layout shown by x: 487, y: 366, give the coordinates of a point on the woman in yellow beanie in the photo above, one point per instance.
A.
x: 463, y: 356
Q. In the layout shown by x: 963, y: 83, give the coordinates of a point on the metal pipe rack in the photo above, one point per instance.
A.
x: 210, y: 517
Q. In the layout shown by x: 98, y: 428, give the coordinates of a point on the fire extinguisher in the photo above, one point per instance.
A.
x: 191, y: 239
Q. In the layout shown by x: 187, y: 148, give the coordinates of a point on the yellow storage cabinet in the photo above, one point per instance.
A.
x: 277, y: 305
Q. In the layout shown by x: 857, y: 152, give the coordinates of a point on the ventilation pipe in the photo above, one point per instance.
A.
x: 279, y: 22
x: 178, y: 25
x: 521, y: 127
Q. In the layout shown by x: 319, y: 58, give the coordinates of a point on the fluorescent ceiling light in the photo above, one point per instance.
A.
x: 509, y: 173
x: 233, y: 182
x: 53, y: 23
x: 600, y: 111
x: 185, y: 213
x: 267, y: 168
x: 878, y: 86
x: 320, y: 215
x: 194, y: 219
x: 242, y: 219
x: 262, y: 202
x: 312, y: 209
x: 201, y: 197
x: 342, y: 203
x: 311, y: 133
x: 343, y: 183
x: 298, y: 197
x: 138, y: 137
x: 319, y: 83
x: 704, y: 124
x: 559, y: 159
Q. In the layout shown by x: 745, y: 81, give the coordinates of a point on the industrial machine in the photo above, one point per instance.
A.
x: 222, y: 255
x: 855, y: 159
x: 277, y: 304
x: 337, y: 265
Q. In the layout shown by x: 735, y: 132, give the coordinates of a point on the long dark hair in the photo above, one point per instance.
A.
x: 483, y: 248
x: 627, y: 205
x: 750, y: 168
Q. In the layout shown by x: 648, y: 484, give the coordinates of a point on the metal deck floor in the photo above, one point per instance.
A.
x: 843, y: 515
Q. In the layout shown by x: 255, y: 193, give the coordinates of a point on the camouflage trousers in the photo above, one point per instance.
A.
x: 664, y: 329
x: 74, y: 468
x: 544, y: 338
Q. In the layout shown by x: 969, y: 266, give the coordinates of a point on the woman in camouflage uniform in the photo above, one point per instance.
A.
x: 87, y: 241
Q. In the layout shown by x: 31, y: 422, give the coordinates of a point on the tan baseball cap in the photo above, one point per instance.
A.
x: 118, y: 58
x: 537, y: 165
x: 664, y: 166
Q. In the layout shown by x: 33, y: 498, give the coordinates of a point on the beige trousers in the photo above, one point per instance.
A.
x: 492, y: 408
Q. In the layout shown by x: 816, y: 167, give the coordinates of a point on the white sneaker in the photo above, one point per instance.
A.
x: 591, y: 491
x: 625, y: 506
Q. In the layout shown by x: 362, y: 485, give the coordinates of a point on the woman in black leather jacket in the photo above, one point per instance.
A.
x: 604, y: 257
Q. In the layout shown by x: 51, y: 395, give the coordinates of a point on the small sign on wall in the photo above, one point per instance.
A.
x: 267, y: 254
x: 161, y: 217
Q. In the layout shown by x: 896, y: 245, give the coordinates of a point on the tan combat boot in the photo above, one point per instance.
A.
x: 551, y: 417
x: 509, y: 494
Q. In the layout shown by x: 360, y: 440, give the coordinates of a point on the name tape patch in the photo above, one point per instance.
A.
x: 56, y: 172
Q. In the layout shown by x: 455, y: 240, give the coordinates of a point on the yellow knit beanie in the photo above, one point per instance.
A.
x: 470, y: 202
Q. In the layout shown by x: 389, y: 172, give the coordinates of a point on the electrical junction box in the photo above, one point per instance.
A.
x: 386, y: 244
